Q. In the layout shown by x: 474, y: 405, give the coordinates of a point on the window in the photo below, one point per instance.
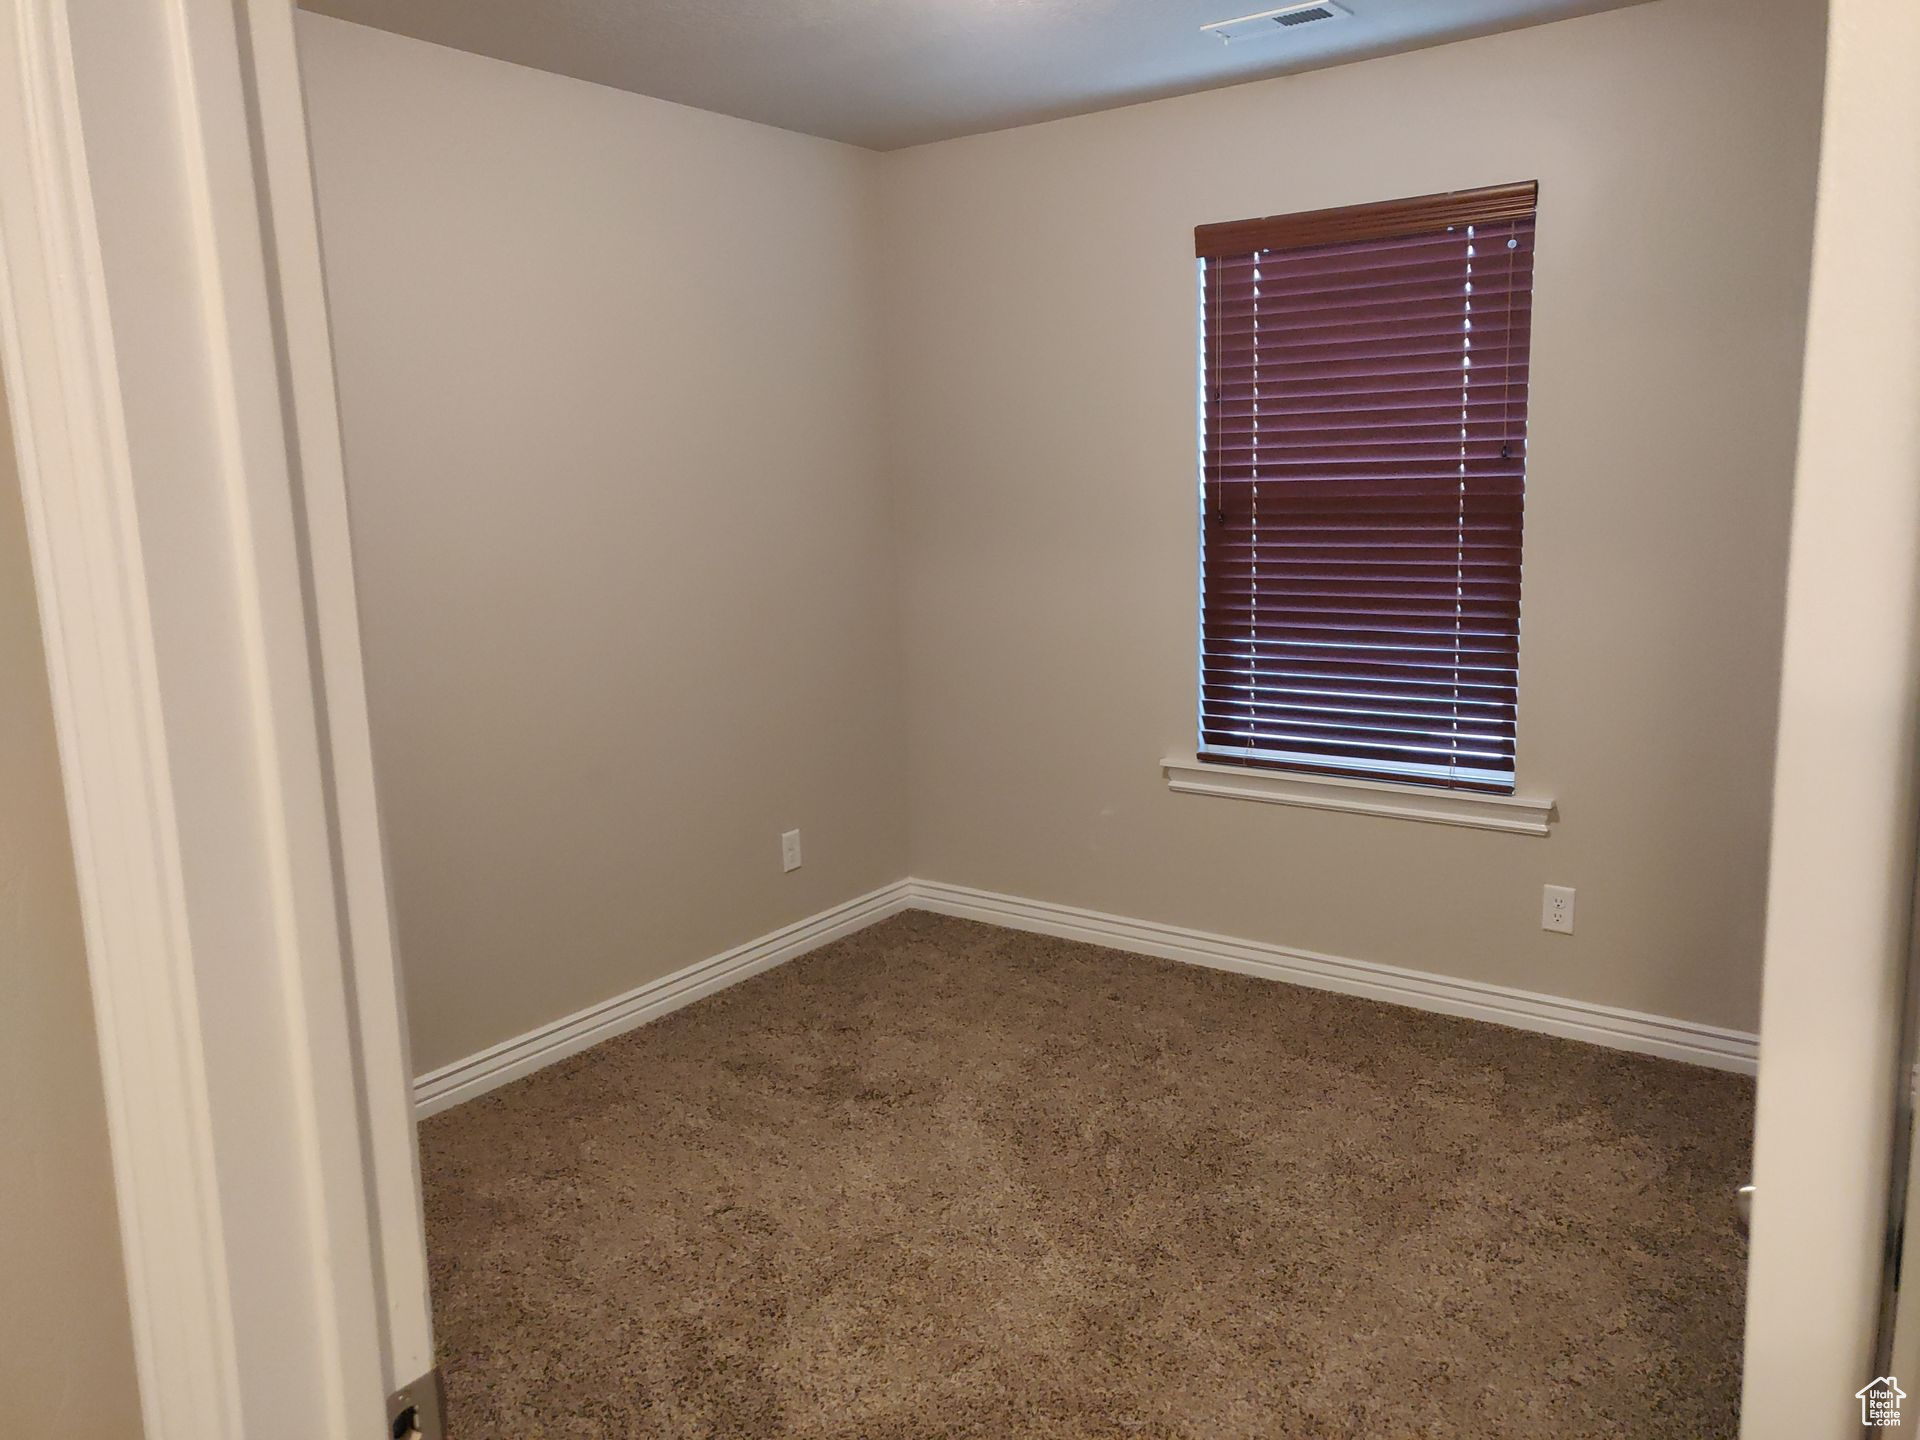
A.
x: 1363, y: 466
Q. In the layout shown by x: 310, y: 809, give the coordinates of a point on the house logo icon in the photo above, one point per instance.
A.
x: 1880, y: 1401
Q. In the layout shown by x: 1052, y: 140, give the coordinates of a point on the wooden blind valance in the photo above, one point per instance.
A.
x: 1382, y: 221
x: 1364, y: 472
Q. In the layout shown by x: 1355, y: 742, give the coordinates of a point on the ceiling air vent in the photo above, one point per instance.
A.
x: 1273, y: 22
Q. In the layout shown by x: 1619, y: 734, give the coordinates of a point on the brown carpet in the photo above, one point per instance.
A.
x: 941, y: 1179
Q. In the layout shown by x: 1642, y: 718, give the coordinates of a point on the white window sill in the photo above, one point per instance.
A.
x: 1516, y: 815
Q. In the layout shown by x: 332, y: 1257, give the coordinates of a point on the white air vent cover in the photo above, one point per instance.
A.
x: 1269, y: 23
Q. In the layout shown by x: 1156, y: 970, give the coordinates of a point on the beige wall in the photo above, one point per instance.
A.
x: 609, y: 378
x: 1041, y: 331
x: 66, y: 1347
x: 632, y: 394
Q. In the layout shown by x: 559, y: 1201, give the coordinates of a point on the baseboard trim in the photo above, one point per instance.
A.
x: 1617, y: 1029
x: 1550, y: 1014
x: 465, y: 1079
x: 1719, y: 1049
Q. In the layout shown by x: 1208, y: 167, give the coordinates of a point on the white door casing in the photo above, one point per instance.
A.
x: 166, y: 353
x: 1840, y: 891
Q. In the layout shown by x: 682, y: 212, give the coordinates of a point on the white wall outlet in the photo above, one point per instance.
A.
x: 1556, y: 909
x: 790, y: 853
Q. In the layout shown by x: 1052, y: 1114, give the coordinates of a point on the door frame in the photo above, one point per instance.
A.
x: 1841, y: 889
x: 164, y: 340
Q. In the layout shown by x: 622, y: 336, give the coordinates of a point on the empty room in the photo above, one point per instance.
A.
x: 991, y: 718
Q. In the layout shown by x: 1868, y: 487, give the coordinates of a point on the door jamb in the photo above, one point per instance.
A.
x: 163, y: 335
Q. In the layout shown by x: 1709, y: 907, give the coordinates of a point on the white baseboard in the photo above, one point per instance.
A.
x: 1708, y: 1045
x: 464, y: 1079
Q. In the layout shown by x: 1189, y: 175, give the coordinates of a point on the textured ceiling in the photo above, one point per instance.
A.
x: 888, y: 73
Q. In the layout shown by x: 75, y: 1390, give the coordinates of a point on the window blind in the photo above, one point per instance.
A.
x: 1363, y: 473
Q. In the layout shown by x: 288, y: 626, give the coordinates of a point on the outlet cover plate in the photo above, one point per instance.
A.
x: 1556, y: 909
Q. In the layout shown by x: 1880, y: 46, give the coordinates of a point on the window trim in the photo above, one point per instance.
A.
x: 1195, y: 774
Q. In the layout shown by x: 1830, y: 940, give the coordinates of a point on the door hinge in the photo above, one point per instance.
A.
x: 415, y: 1412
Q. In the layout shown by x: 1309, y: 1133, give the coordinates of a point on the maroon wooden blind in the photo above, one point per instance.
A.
x: 1365, y: 426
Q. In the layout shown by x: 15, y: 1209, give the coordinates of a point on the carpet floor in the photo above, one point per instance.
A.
x: 943, y: 1179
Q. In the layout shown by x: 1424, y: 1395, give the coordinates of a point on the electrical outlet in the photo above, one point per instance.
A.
x: 1556, y: 909
x: 790, y: 850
